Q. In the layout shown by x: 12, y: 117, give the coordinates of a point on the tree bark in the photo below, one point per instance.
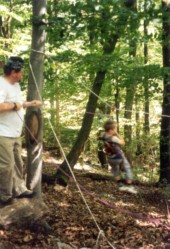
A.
x: 35, y: 84
x: 76, y: 150
x: 165, y: 122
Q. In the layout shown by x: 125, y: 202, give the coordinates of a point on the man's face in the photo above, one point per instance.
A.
x: 17, y: 76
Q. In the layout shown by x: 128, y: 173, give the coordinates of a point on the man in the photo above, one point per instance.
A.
x: 12, y: 183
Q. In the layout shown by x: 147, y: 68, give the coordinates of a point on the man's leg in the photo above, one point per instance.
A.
x: 6, y: 167
x: 19, y: 185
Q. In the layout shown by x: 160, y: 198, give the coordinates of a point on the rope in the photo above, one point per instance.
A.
x: 33, y: 75
x: 72, y: 173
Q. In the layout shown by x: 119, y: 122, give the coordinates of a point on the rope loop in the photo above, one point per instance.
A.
x: 100, y: 234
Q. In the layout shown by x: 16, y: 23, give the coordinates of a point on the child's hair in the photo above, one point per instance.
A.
x: 109, y: 125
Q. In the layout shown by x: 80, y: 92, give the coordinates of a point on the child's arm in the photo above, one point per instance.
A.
x: 121, y: 139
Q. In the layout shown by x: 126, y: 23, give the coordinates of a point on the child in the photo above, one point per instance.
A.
x: 115, y: 156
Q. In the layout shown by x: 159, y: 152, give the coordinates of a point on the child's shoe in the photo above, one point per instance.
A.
x: 130, y: 189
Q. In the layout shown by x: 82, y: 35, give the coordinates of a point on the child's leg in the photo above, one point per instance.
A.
x: 127, y: 169
x: 128, y: 175
x: 115, y: 164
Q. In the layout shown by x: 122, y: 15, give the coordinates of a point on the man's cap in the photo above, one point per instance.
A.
x: 15, y: 63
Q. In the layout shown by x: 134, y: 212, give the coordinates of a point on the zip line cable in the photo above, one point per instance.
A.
x: 111, y: 106
x: 101, y: 232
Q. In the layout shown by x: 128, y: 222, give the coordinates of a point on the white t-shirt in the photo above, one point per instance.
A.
x: 11, y: 122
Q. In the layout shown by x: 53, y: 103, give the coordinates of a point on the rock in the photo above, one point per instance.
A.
x: 22, y: 213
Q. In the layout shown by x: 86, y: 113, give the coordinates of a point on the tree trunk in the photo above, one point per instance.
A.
x: 76, y: 150
x: 117, y: 103
x: 165, y: 122
x: 130, y: 92
x: 35, y: 84
x: 84, y: 131
x: 146, y: 89
x: 138, y: 129
x: 5, y: 25
x: 57, y: 112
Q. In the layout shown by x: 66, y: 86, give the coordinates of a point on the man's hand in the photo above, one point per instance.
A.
x: 36, y: 103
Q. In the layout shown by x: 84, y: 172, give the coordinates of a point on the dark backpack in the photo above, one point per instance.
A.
x: 111, y: 148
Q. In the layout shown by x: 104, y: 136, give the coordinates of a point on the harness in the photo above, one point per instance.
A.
x: 112, y: 149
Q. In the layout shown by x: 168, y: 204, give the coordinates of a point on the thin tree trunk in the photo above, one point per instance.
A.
x: 137, y: 117
x: 117, y: 103
x: 165, y: 122
x: 33, y: 115
x: 57, y: 113
x: 130, y: 93
x: 91, y: 107
x: 5, y: 25
x: 57, y: 98
x: 146, y: 89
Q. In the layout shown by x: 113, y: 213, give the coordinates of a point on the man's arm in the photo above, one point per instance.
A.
x: 16, y: 106
x: 10, y: 106
x: 32, y: 103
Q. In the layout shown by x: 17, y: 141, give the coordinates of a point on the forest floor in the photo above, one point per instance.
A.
x: 129, y: 221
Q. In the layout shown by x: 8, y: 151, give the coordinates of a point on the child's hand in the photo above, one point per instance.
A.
x: 113, y: 108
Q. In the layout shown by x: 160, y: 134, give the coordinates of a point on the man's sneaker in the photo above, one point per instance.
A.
x: 6, y: 202
x: 26, y: 194
x: 129, y: 189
